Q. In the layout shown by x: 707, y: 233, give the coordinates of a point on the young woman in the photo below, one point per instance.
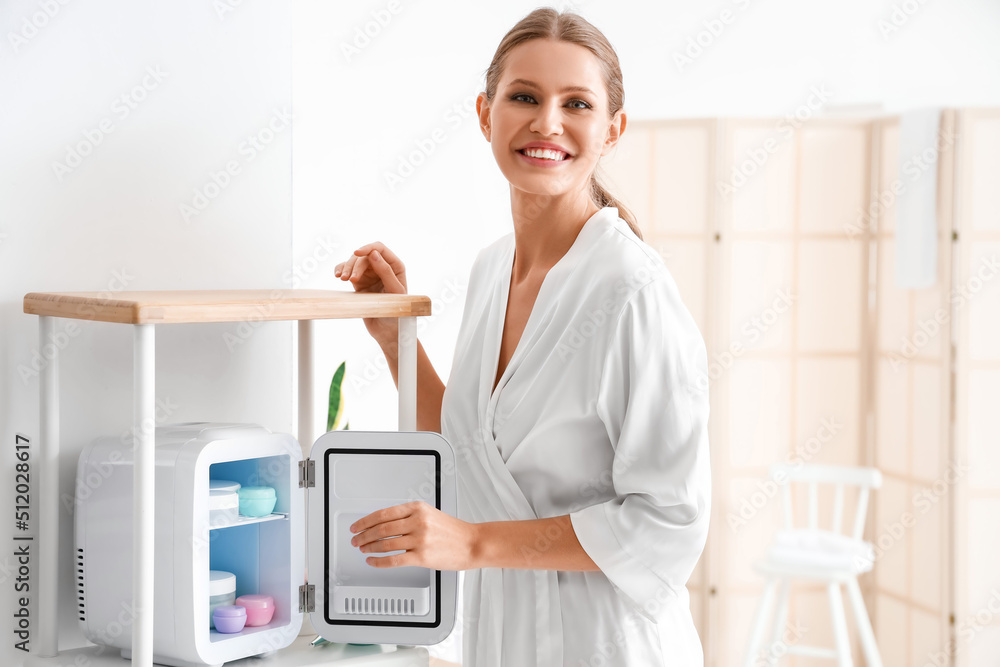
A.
x: 577, y: 401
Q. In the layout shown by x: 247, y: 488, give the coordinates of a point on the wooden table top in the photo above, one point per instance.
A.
x: 186, y: 306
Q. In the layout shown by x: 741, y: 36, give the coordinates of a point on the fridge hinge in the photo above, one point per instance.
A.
x: 307, y: 598
x: 307, y: 474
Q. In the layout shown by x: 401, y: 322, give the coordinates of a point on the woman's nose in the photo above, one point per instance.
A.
x: 547, y: 120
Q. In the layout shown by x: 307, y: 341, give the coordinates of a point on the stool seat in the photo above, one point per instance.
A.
x: 812, y: 554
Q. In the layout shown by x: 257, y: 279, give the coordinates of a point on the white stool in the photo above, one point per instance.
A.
x: 817, y: 555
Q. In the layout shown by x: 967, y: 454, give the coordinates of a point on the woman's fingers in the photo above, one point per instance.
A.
x: 387, y: 254
x: 400, y: 543
x: 390, y: 282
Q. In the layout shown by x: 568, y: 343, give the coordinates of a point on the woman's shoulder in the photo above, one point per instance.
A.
x: 624, y: 263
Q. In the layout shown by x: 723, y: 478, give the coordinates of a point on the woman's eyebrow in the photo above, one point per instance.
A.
x: 567, y: 89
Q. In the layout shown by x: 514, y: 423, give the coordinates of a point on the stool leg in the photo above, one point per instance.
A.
x: 843, y: 644
x: 758, y: 624
x: 780, y: 619
x: 868, y: 644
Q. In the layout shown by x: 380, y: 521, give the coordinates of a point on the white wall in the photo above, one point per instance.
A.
x: 114, y: 221
x: 365, y: 108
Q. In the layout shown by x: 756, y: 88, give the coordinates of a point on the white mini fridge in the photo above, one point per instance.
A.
x: 300, y: 554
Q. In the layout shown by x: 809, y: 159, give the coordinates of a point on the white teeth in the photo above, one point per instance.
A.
x: 545, y: 153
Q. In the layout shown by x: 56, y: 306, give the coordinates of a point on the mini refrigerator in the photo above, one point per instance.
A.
x: 299, y: 554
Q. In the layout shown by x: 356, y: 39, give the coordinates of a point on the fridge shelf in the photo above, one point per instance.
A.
x: 245, y: 520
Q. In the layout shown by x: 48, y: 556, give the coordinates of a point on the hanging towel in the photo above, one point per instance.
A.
x: 916, y: 207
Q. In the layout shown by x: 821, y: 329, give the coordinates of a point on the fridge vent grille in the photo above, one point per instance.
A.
x: 375, y: 605
x: 81, y: 602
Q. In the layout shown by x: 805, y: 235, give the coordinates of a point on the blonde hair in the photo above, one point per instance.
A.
x: 547, y: 23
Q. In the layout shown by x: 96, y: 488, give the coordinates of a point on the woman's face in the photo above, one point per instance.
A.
x: 548, y: 123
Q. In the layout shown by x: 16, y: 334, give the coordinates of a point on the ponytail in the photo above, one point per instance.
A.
x: 603, y: 198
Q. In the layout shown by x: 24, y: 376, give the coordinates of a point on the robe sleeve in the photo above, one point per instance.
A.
x: 653, y: 401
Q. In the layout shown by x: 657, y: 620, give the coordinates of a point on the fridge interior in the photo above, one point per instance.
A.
x: 257, y: 551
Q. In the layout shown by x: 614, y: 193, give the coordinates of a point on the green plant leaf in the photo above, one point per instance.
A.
x: 336, y: 408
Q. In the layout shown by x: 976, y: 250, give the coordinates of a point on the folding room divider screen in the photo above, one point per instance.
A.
x: 780, y: 236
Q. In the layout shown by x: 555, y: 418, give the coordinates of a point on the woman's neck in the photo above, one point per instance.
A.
x: 545, y: 226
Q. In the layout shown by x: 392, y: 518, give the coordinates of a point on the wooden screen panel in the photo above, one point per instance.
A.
x: 830, y: 313
x: 759, y: 432
x: 983, y: 171
x: 833, y: 171
x: 760, y: 291
x: 681, y: 162
x: 757, y: 185
x: 912, y: 438
x: 977, y: 513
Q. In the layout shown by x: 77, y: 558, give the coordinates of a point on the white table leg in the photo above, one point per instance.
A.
x: 306, y: 434
x: 143, y: 516
x: 407, y: 374
x: 48, y: 495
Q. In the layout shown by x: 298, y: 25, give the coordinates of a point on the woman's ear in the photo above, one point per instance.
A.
x: 483, y: 111
x: 615, y: 131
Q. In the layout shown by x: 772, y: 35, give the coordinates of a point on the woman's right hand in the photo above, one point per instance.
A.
x: 375, y: 268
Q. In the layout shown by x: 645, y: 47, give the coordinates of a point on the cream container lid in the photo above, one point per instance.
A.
x: 223, y: 485
x: 221, y: 583
x: 223, y: 500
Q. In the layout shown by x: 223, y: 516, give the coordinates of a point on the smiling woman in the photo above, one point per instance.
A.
x: 577, y: 402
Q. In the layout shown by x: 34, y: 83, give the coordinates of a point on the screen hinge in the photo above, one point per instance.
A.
x: 307, y: 474
x: 307, y: 598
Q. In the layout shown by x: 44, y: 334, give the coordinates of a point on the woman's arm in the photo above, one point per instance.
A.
x: 537, y: 544
x: 439, y: 541
x: 430, y: 388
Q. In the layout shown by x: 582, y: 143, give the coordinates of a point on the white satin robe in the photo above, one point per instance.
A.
x: 601, y: 414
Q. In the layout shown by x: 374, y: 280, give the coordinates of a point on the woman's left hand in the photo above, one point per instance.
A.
x: 429, y: 537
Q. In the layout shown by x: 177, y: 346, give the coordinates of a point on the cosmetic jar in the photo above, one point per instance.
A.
x: 223, y: 503
x: 260, y: 608
x: 221, y: 591
x: 257, y: 501
x: 229, y: 618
